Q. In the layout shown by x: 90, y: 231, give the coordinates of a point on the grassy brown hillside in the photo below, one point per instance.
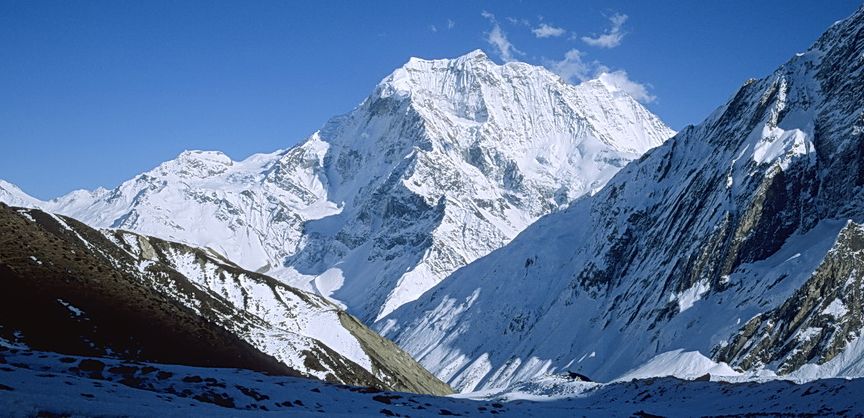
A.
x: 69, y: 288
x: 59, y: 293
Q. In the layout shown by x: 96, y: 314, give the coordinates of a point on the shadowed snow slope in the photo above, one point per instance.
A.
x: 739, y: 238
x: 444, y: 162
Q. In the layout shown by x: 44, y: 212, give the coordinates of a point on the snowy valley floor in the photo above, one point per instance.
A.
x: 48, y: 384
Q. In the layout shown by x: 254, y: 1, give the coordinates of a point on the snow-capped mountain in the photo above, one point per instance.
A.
x: 444, y: 162
x: 14, y: 196
x: 740, y: 238
x: 69, y: 288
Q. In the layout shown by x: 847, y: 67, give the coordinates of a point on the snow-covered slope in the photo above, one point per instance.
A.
x: 67, y: 287
x: 34, y: 383
x: 14, y: 196
x: 445, y: 161
x: 740, y: 238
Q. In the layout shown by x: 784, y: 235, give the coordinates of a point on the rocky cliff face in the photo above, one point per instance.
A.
x: 737, y: 238
x: 816, y: 323
x: 444, y: 162
x: 74, y: 289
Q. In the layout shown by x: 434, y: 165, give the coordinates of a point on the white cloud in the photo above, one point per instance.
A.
x: 433, y: 28
x: 572, y: 68
x: 619, y: 80
x: 612, y: 37
x: 498, y: 39
x: 450, y: 24
x: 548, y: 31
x: 516, y: 21
x: 575, y: 69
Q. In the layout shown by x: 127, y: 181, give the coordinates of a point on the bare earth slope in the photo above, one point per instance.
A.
x: 70, y: 288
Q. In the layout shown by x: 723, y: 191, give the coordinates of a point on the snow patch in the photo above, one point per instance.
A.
x: 690, y: 296
x: 26, y: 215
x: 681, y: 364
x: 808, y: 333
x: 75, y: 311
x: 778, y: 145
x: 836, y: 309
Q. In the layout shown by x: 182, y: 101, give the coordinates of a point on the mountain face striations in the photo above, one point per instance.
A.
x: 444, y: 162
x: 740, y: 238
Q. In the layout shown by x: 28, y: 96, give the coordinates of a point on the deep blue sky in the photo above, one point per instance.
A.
x: 94, y: 92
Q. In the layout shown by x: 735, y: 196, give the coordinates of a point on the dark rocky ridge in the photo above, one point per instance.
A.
x: 780, y: 334
x: 72, y: 289
x: 47, y: 273
x: 392, y: 368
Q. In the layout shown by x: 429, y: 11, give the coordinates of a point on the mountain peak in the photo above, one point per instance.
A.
x: 445, y: 161
x: 475, y: 54
x: 421, y: 75
x: 197, y: 163
x: 199, y: 155
x: 469, y: 85
x: 745, y: 215
x: 472, y: 57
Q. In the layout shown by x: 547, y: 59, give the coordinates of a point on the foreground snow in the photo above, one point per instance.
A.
x: 37, y: 382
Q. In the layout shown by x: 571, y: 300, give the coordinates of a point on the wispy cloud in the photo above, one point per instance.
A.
x: 612, y: 37
x: 575, y: 69
x: 548, y: 31
x: 518, y: 21
x: 498, y: 39
x: 572, y: 68
x: 448, y: 25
